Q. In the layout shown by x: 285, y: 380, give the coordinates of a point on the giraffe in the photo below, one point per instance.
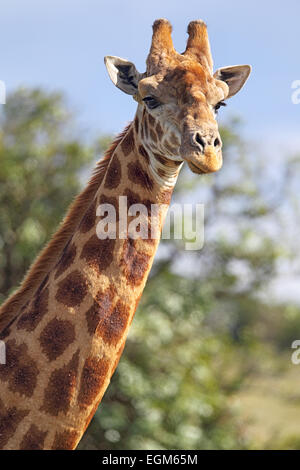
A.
x: 65, y: 327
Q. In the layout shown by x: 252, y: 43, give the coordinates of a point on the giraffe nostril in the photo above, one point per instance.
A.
x: 217, y: 142
x: 200, y: 141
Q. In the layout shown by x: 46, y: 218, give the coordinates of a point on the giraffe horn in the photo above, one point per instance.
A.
x: 162, y: 44
x: 198, y: 43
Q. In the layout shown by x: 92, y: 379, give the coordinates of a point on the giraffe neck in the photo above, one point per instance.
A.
x: 161, y: 146
x: 65, y: 343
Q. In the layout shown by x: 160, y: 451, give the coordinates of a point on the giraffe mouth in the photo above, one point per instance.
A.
x: 196, y: 169
x: 208, y: 162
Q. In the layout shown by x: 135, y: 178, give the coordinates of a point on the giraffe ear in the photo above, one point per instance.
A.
x: 235, y: 76
x: 123, y: 74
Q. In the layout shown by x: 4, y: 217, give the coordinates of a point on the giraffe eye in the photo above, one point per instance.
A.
x: 218, y: 105
x: 151, y: 102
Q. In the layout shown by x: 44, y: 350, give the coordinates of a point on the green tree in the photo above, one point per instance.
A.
x: 40, y: 161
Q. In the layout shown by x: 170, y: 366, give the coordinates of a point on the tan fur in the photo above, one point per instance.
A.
x: 198, y: 44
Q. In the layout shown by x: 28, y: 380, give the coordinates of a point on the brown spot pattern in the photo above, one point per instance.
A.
x: 34, y: 439
x: 72, y: 289
x: 10, y: 418
x: 112, y: 327
x: 132, y: 198
x: 138, y: 175
x: 24, y: 379
x: 41, y: 287
x: 127, y: 144
x: 61, y: 388
x: 65, y: 440
x: 56, y: 337
x: 66, y: 260
x: 101, y: 307
x: 12, y: 359
x: 144, y: 153
x: 113, y: 175
x: 33, y: 314
x: 20, y: 369
x: 134, y: 263
x: 89, y: 219
x: 93, y: 377
x: 104, y: 199
x: 5, y: 333
x: 98, y: 253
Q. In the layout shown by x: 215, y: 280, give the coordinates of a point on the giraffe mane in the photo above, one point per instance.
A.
x: 51, y: 252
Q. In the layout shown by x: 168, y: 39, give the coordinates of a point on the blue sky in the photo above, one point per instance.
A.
x: 61, y: 45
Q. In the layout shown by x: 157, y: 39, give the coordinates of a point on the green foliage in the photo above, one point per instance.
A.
x: 165, y: 393
x: 39, y: 175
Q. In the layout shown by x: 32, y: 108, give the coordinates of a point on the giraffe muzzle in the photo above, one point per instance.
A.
x: 202, y: 152
x: 209, y: 161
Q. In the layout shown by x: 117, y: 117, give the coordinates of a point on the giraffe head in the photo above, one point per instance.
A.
x: 181, y: 94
